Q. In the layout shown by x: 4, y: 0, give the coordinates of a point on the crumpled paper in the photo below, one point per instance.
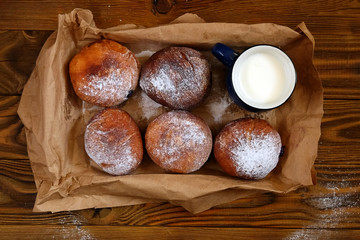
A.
x: 55, y: 118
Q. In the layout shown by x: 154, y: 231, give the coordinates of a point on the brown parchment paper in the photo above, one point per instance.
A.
x: 55, y: 118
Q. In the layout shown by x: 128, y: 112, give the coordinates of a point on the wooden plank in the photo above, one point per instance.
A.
x: 12, y: 138
x: 126, y: 232
x: 12, y: 132
x: 341, y: 122
x: 333, y: 16
x: 9, y: 105
x: 332, y: 204
x: 18, y: 54
x: 311, y: 207
x: 336, y: 59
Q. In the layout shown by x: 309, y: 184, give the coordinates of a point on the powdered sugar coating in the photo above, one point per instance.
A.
x: 178, y: 141
x: 250, y: 155
x: 113, y: 85
x: 247, y: 149
x: 176, y: 77
x: 113, y: 142
x: 104, y: 73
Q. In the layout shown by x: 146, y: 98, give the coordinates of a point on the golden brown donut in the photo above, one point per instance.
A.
x: 248, y: 148
x: 176, y: 77
x: 104, y: 73
x: 113, y: 141
x: 178, y: 141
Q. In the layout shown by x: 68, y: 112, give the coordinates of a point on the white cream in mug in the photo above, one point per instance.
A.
x: 263, y: 77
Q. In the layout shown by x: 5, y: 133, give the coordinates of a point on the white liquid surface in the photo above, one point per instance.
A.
x: 264, y: 77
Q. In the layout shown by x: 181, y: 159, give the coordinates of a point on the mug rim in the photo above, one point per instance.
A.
x: 282, y: 100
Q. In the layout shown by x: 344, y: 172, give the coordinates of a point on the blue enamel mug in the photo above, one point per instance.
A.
x: 261, y: 78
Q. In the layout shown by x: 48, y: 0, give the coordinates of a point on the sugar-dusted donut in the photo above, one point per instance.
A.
x: 178, y: 141
x: 248, y: 148
x: 113, y: 142
x: 176, y: 77
x: 104, y: 73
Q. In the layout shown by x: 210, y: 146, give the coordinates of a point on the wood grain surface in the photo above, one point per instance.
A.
x: 328, y: 210
x: 322, y: 16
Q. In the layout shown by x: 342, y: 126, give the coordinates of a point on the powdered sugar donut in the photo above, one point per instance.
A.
x: 104, y: 73
x: 248, y: 148
x: 178, y: 141
x: 176, y: 77
x: 113, y: 142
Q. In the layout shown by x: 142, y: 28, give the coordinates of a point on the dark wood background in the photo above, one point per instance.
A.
x: 329, y: 210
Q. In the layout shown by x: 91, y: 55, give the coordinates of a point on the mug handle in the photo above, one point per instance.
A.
x: 225, y: 54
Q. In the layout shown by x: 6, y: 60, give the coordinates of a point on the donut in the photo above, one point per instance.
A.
x: 176, y: 77
x: 113, y: 142
x: 104, y: 73
x: 178, y: 141
x: 248, y: 148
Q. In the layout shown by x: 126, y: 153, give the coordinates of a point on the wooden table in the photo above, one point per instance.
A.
x: 329, y: 210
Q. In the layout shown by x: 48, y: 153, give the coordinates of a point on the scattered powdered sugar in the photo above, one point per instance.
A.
x: 87, y: 107
x: 253, y: 156
x: 149, y: 107
x: 334, y: 212
x: 110, y: 87
x: 218, y: 107
x: 89, y: 110
x: 69, y: 231
x: 145, y: 53
x: 115, y: 158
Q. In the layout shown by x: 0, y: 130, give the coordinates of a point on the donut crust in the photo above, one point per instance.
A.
x: 176, y: 77
x: 178, y: 141
x: 113, y: 142
x: 104, y: 73
x: 247, y: 148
